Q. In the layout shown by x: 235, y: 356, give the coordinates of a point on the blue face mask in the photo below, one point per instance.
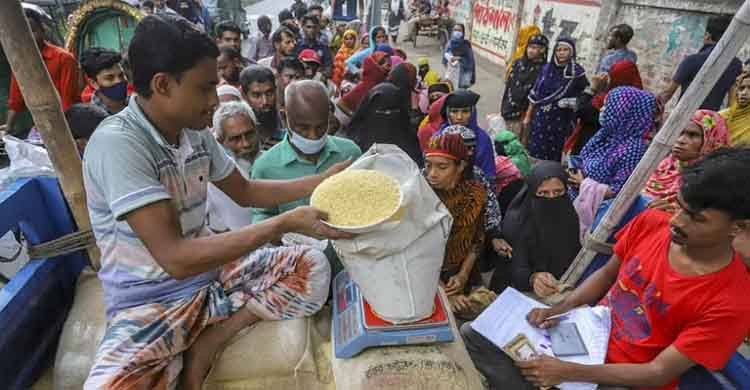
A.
x: 306, y: 145
x: 457, y: 35
x: 117, y: 92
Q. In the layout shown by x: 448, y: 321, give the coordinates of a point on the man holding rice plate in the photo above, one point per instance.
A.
x: 176, y: 294
x: 307, y: 149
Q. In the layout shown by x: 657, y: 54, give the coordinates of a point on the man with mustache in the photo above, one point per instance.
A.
x: 674, y: 286
x: 234, y: 128
x: 258, y: 85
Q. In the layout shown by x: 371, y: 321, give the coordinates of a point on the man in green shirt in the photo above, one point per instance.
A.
x: 307, y: 148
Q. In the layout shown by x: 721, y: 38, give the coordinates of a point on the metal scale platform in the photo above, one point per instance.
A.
x: 356, y: 327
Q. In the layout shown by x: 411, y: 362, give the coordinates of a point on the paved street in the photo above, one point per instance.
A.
x: 490, y: 81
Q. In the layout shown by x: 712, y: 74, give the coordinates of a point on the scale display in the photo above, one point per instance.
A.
x: 356, y: 326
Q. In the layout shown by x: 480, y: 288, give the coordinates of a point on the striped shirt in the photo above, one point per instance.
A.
x: 128, y: 165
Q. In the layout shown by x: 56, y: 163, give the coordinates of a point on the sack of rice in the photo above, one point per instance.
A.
x: 357, y: 198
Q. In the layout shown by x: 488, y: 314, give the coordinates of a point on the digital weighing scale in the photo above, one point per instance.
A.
x: 356, y: 327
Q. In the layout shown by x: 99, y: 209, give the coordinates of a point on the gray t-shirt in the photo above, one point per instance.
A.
x: 129, y: 165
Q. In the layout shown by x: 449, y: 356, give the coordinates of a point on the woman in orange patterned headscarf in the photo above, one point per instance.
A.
x: 348, y: 47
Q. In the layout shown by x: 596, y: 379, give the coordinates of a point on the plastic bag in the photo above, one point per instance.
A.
x: 453, y: 73
x: 26, y: 160
x: 397, y: 265
x: 496, y: 124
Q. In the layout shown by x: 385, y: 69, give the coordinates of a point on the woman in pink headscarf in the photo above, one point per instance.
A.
x: 706, y: 132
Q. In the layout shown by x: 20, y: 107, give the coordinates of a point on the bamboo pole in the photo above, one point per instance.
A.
x: 43, y: 101
x: 727, y: 48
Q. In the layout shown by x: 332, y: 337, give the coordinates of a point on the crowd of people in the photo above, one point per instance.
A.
x: 190, y: 221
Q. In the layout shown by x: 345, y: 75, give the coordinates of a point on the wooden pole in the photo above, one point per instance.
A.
x: 43, y: 101
x: 727, y: 48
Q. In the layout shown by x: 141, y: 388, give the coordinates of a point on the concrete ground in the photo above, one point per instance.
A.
x: 490, y: 81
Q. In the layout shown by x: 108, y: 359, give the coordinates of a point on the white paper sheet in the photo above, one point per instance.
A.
x: 506, y: 318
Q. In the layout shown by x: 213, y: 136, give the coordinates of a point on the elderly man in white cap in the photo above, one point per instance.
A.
x: 228, y: 93
x: 234, y: 127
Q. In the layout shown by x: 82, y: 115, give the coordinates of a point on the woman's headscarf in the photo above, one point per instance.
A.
x: 506, y: 172
x: 383, y: 117
x: 447, y: 144
x: 665, y: 182
x: 615, y: 150
x: 372, y: 74
x: 358, y: 58
x: 484, y: 157
x: 404, y: 76
x: 738, y: 118
x: 352, y: 34
x: 364, y: 42
x: 543, y: 232
x: 343, y: 54
x: 442, y: 86
x: 621, y: 74
x: 556, y: 79
x: 466, y: 203
x: 385, y: 48
x: 523, y: 43
x: 435, y: 121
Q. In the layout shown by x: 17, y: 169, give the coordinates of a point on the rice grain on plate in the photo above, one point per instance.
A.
x: 357, y: 197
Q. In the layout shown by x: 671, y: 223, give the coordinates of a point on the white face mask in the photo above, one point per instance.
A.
x: 306, y: 145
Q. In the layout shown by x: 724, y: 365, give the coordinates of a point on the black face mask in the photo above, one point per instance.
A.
x: 423, y: 71
x: 117, y: 92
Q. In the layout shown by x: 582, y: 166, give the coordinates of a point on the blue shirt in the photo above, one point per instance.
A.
x: 614, y: 57
x: 689, y: 68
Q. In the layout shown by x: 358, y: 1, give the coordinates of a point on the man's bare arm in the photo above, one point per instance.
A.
x: 10, y: 121
x: 271, y: 193
x: 589, y: 292
x: 665, y: 368
x: 668, y: 92
x: 669, y: 365
x: 158, y: 226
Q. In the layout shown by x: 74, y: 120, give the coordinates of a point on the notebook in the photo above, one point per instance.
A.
x: 505, y: 319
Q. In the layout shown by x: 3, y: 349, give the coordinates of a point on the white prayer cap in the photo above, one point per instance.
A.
x: 227, y: 89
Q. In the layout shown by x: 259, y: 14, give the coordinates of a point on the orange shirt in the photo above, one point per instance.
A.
x: 63, y: 68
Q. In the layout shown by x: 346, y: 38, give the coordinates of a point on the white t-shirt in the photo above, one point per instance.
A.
x: 222, y: 212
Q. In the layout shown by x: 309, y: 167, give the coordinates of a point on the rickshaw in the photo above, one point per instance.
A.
x: 102, y: 23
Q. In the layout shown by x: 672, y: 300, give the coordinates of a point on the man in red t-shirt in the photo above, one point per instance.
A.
x: 61, y: 65
x: 675, y: 287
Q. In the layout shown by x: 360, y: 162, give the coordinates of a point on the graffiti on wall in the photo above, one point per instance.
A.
x: 494, y: 26
x: 663, y: 38
x: 575, y: 19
